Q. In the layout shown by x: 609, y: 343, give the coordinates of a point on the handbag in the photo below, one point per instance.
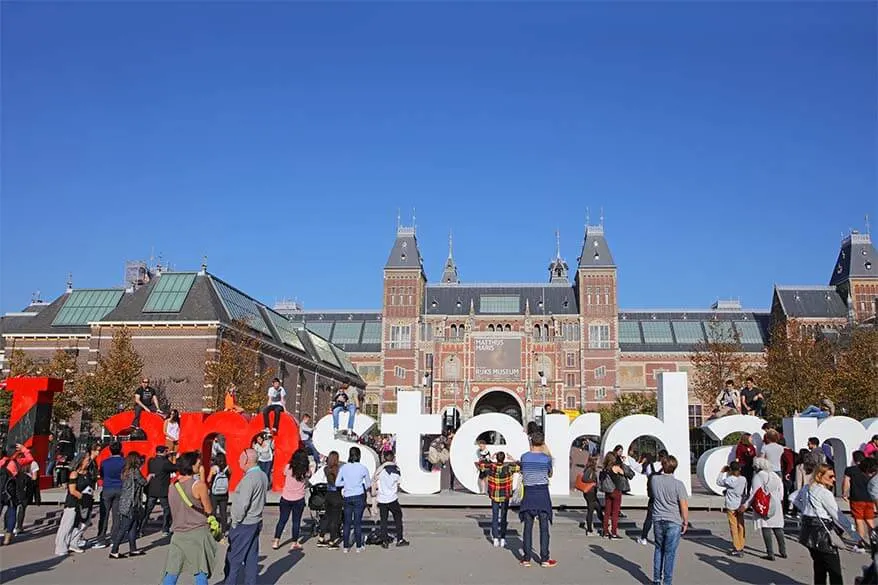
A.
x: 608, y: 486
x: 816, y: 535
x: 213, y: 525
x: 517, y: 490
x: 834, y: 537
x: 762, y: 503
x: 582, y: 485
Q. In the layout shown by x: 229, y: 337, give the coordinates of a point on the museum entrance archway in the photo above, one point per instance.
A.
x: 497, y: 401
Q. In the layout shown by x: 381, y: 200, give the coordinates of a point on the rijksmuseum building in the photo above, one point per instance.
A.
x: 471, y: 348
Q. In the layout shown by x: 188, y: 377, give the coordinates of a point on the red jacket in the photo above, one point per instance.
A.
x: 22, y: 460
x: 787, y: 463
x: 744, y: 454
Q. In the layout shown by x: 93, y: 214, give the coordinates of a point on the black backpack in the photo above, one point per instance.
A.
x: 9, y: 488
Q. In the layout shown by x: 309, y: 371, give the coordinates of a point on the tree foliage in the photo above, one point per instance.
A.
x: 802, y: 370
x: 114, y: 380
x: 716, y: 360
x: 238, y: 362
x: 626, y: 405
x: 69, y: 402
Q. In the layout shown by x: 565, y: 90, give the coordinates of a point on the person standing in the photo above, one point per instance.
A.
x: 12, y: 469
x: 745, y: 453
x: 353, y: 478
x: 30, y: 493
x: 264, y: 447
x: 277, y: 397
x: 855, y: 490
x: 111, y: 474
x: 772, y: 450
x: 820, y: 514
x: 670, y: 520
x: 218, y: 479
x: 772, y: 523
x: 248, y: 505
x: 536, y: 469
x: 130, y: 506
x: 387, y: 484
x: 330, y: 525
x: 172, y: 431
x: 590, y: 476
x: 649, y: 469
x: 192, y: 547
x: 614, y: 481
x: 733, y: 491
x: 498, y: 475
x: 160, y: 469
x: 70, y: 529
x: 870, y: 449
x: 145, y: 398
x: 292, y: 499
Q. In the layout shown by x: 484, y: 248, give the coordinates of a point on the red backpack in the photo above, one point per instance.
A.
x: 762, y: 503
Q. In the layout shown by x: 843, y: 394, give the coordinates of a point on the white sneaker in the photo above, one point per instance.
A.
x: 76, y: 549
x: 496, y: 543
x: 360, y: 549
x: 502, y: 542
x: 100, y: 544
x: 642, y: 541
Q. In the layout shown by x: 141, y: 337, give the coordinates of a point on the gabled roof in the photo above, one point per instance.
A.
x: 200, y: 304
x: 856, y: 259
x: 595, y: 250
x: 682, y: 331
x: 810, y: 302
x: 543, y: 299
x: 42, y: 323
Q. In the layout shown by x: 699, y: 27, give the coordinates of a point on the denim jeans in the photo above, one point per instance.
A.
x: 109, y: 507
x: 352, y: 413
x: 287, y: 508
x: 528, y: 535
x: 266, y: 466
x: 312, y: 450
x: 498, y: 518
x: 242, y: 556
x: 667, y: 537
x: 169, y: 579
x: 126, y: 528
x: 151, y: 501
x: 354, y: 507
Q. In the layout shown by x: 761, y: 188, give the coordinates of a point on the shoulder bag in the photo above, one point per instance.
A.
x: 213, y: 525
x: 583, y: 485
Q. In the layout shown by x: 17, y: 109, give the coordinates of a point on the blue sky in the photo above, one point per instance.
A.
x: 729, y: 144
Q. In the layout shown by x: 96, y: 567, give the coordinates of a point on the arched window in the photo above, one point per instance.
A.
x: 490, y: 328
x: 508, y: 327
x: 546, y: 332
x: 538, y: 332
x: 454, y: 332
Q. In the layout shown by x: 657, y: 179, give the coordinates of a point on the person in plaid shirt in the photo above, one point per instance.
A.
x: 499, y: 476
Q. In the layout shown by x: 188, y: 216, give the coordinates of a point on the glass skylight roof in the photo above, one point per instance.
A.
x: 285, y: 329
x: 372, y: 332
x: 85, y: 306
x: 321, y: 328
x: 347, y: 332
x: 657, y: 331
x: 169, y: 293
x: 324, y: 350
x: 629, y: 332
x: 688, y: 331
x: 241, y: 307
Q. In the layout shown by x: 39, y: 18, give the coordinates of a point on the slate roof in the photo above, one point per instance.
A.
x: 41, y: 322
x: 201, y: 304
x: 856, y: 259
x: 595, y: 249
x: 544, y: 299
x: 405, y: 252
x: 683, y: 331
x: 806, y: 302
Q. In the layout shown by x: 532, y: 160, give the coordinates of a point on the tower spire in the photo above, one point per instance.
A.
x: 558, y: 269
x: 450, y: 245
x: 449, y: 273
x: 557, y: 244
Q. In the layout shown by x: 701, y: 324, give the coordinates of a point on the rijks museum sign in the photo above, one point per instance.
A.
x: 32, y: 406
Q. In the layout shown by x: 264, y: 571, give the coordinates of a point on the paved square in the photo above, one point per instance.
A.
x: 447, y: 547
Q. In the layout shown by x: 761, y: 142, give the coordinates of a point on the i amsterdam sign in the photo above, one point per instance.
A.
x: 32, y: 399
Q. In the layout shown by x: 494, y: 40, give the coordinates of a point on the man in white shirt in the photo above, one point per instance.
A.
x: 276, y: 403
x: 387, y: 482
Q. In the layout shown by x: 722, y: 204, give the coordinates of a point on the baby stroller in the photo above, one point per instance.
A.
x: 316, y: 505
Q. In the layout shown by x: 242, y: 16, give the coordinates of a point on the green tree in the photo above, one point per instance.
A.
x: 19, y: 365
x: 716, y: 360
x: 856, y: 373
x: 626, y: 405
x: 69, y: 402
x: 114, y: 379
x: 238, y: 362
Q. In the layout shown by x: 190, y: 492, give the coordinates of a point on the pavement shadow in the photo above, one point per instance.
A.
x: 276, y: 570
x: 617, y: 560
x: 13, y: 573
x: 746, y: 572
x: 484, y: 524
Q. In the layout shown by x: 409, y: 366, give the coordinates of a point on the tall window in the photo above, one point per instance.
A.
x: 571, y: 402
x: 696, y: 418
x: 400, y: 337
x: 453, y: 334
x: 600, y: 372
x: 399, y: 372
x: 599, y: 336
x: 538, y: 333
x: 600, y: 393
x: 428, y: 361
x: 491, y: 328
x: 571, y: 359
x: 571, y: 380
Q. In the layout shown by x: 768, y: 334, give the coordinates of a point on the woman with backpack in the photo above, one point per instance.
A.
x: 614, y: 482
x: 292, y: 499
x: 766, y: 497
x: 218, y: 480
x: 330, y: 525
x: 130, y: 506
x: 14, y: 466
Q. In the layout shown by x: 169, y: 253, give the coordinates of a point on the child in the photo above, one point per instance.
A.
x: 735, y: 486
x: 484, y: 456
x: 388, y: 499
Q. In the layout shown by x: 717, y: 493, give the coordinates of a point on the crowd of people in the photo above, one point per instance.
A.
x: 198, y: 509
